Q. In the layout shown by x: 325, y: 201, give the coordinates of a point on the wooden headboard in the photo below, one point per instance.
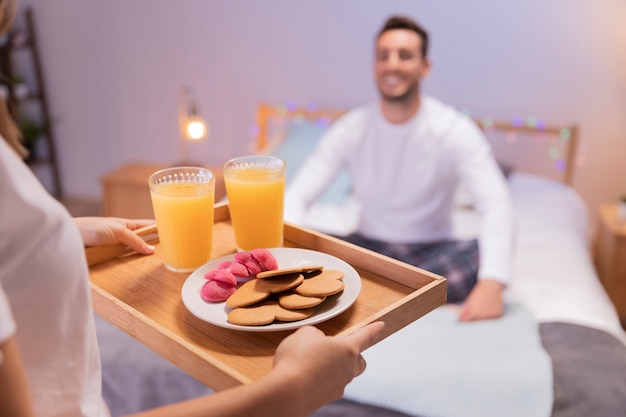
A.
x: 527, y: 146
x: 268, y: 115
x: 534, y: 147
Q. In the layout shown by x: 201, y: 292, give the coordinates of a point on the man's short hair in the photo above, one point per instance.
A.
x: 404, y: 22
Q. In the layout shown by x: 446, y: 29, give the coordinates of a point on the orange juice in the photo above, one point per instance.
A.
x: 184, y: 215
x: 256, y: 198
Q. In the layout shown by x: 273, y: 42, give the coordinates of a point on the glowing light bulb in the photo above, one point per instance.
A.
x: 196, y: 129
x: 487, y: 123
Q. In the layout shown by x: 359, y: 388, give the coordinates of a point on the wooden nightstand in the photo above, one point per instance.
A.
x: 125, y: 191
x: 611, y: 257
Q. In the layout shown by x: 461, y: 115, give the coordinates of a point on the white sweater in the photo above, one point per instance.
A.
x: 405, y: 175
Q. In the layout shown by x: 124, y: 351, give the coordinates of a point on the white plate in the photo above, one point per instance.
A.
x: 216, y: 313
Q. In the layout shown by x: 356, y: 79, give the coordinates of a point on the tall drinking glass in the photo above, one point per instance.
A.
x: 255, y: 187
x: 183, y: 201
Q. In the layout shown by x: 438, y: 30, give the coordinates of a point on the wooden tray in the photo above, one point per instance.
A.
x: 142, y: 297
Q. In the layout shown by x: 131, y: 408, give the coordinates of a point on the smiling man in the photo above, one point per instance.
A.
x: 406, y: 155
x: 401, y: 62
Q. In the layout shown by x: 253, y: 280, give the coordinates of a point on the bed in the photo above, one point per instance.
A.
x: 558, y: 351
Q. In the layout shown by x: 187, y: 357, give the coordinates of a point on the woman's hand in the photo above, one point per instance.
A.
x: 321, y: 366
x: 310, y: 370
x: 100, y: 231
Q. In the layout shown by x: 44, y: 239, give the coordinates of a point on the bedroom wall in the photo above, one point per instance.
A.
x: 114, y: 70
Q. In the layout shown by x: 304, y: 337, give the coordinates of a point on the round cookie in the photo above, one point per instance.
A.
x: 280, y: 283
x: 257, y: 290
x: 247, y: 294
x: 311, y: 268
x: 296, y: 301
x: 265, y: 314
x: 290, y: 270
x: 326, y: 283
x: 285, y: 314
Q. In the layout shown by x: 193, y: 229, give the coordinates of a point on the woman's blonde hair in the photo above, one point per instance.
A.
x: 8, y: 129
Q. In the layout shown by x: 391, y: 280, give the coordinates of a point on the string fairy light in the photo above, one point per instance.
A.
x: 540, y: 125
x: 560, y: 165
x: 324, y: 121
x: 554, y: 153
x: 487, y: 123
x: 531, y: 121
x: 511, y: 136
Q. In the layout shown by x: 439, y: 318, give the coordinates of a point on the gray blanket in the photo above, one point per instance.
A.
x: 135, y: 378
x: 589, y: 371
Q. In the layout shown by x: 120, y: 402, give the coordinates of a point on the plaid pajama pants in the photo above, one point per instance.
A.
x: 457, y: 261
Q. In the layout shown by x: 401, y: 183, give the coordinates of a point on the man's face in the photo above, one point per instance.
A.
x: 399, y: 64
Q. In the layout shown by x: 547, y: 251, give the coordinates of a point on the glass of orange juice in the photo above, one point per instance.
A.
x: 255, y: 188
x: 183, y: 201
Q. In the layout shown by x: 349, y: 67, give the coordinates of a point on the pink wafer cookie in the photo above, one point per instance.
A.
x: 216, y: 291
x: 246, y: 259
x: 265, y: 259
x: 237, y: 269
x: 221, y: 275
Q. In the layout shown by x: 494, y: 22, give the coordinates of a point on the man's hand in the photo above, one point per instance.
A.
x: 485, y: 301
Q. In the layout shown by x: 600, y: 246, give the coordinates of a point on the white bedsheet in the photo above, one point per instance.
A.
x: 553, y: 274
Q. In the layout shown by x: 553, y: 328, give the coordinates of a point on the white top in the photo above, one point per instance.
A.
x: 44, y: 295
x: 405, y: 176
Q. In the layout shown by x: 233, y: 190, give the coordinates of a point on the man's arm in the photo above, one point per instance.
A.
x: 489, y: 190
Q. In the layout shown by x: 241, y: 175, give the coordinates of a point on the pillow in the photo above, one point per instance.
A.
x: 301, y: 138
